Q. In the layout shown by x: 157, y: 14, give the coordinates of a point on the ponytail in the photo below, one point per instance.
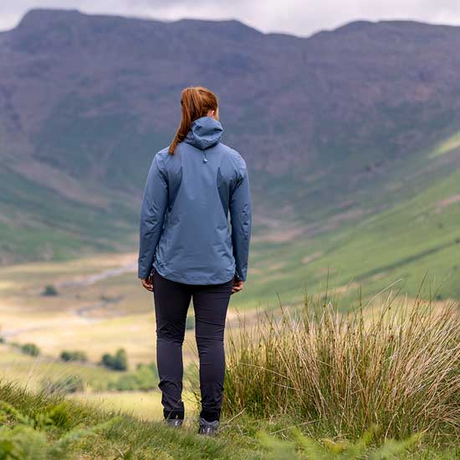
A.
x: 196, y: 102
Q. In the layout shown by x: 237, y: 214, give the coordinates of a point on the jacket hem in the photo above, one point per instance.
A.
x: 192, y: 280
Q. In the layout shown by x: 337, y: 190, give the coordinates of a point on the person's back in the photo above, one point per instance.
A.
x: 185, y: 238
x: 195, y: 246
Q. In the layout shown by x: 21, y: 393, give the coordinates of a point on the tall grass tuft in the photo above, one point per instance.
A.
x: 396, y: 368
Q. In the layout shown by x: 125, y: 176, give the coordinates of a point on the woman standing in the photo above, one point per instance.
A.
x: 188, y: 250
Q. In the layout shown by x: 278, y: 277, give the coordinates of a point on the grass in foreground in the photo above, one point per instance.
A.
x: 40, y: 427
x: 309, y: 384
x: 338, y: 374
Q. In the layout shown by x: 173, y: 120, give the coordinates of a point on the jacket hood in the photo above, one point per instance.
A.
x: 204, y: 133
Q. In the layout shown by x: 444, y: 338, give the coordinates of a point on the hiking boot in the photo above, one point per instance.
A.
x: 208, y: 428
x: 174, y: 422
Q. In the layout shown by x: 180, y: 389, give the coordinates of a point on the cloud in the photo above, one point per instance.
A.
x: 299, y: 17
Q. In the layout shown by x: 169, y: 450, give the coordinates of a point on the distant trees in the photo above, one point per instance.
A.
x: 144, y: 378
x: 67, y: 355
x: 50, y: 291
x: 27, y: 348
x: 30, y: 349
x: 190, y: 323
x: 117, y: 362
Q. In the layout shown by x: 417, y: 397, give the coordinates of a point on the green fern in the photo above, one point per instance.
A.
x: 26, y: 437
x: 303, y: 447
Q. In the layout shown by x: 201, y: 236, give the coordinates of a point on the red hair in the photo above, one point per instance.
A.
x: 196, y: 102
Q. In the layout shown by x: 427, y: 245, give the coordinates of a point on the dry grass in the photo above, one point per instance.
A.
x: 398, y: 369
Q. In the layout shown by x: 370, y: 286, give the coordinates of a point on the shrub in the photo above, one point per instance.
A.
x: 107, y: 360
x: 30, y: 349
x: 74, y: 356
x: 397, y: 370
x: 190, y: 323
x: 143, y: 379
x: 119, y: 362
x: 50, y: 291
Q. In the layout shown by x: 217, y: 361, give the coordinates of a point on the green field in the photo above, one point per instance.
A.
x: 34, y: 373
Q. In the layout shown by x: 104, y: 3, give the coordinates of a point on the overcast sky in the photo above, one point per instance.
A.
x: 298, y: 17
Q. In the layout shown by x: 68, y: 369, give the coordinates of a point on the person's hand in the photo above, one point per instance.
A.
x: 147, y: 283
x: 237, y: 285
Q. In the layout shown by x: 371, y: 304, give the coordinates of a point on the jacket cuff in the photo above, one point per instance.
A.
x: 240, y: 277
x: 142, y: 275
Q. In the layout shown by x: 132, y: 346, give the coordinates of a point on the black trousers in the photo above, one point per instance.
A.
x: 210, y: 303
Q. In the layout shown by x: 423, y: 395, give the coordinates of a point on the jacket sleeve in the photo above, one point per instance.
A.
x: 241, y: 221
x: 154, y: 204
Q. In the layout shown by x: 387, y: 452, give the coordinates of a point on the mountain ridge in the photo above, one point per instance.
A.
x: 354, y: 24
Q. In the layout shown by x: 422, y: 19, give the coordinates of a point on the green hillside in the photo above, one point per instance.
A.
x: 39, y: 223
x: 407, y: 228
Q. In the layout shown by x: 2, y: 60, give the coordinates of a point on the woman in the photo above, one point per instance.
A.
x: 185, y: 239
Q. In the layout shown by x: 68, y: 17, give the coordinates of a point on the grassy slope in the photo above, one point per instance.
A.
x: 404, y: 243
x: 408, y: 238
x: 128, y: 437
x: 39, y: 223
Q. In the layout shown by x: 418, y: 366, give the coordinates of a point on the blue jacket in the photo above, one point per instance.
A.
x: 184, y: 230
